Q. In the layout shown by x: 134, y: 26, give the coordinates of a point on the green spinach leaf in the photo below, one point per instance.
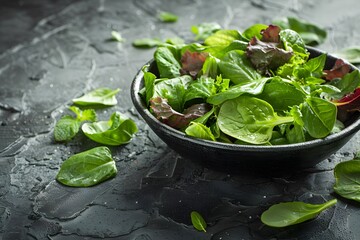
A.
x: 199, y: 130
x: 116, y: 36
x: 249, y: 119
x: 309, y: 32
x: 87, y: 168
x: 167, y: 17
x: 116, y: 131
x: 347, y: 179
x: 100, y: 96
x: 236, y: 67
x: 146, y: 42
x: 281, y: 95
x: 319, y: 116
x: 290, y: 213
x: 167, y: 63
x: 67, y: 126
x: 204, y: 30
x: 254, y: 31
x: 254, y: 87
x: 198, y: 221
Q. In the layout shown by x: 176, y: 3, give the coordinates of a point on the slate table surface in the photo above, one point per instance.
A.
x: 54, y: 51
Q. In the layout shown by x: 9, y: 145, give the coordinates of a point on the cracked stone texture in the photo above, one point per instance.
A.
x: 54, y: 51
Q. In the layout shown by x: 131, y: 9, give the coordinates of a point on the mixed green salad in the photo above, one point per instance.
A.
x: 259, y: 86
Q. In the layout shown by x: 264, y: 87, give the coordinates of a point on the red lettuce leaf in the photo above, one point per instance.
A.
x: 266, y: 55
x: 164, y: 112
x: 271, y: 34
x: 350, y: 102
x: 192, y: 63
x: 339, y: 70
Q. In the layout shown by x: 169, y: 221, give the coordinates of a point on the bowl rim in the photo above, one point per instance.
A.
x: 146, y: 114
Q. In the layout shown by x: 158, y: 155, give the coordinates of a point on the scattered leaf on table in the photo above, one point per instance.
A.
x: 347, y: 179
x: 100, y: 96
x: 198, y: 221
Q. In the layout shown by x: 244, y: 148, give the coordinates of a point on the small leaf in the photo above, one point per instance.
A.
x: 192, y: 63
x: 87, y: 168
x: 198, y: 221
x: 116, y: 36
x: 204, y: 30
x: 199, y: 130
x: 167, y: 17
x: 347, y: 179
x: 146, y: 42
x: 290, y: 213
x: 100, y: 96
x: 66, y: 128
x: 115, y: 132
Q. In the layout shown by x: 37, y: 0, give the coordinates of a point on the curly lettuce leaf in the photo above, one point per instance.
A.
x: 192, y: 63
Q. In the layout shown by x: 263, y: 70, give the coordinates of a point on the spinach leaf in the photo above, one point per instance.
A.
x: 204, y: 30
x: 347, y: 84
x: 310, y: 33
x: 116, y: 36
x: 210, y: 67
x: 67, y: 126
x: 254, y: 87
x: 249, y: 119
x: 223, y: 38
x: 149, y: 82
x: 281, y: 95
x: 203, y: 87
x: 167, y: 17
x: 198, y: 221
x: 351, y: 54
x: 319, y: 116
x: 167, y: 63
x: 347, y: 179
x: 174, y: 90
x: 295, y: 133
x: 236, y: 67
x: 199, y: 130
x: 146, y: 42
x: 291, y: 213
x: 292, y: 41
x: 100, y: 96
x: 254, y: 31
x: 87, y: 168
x: 116, y: 131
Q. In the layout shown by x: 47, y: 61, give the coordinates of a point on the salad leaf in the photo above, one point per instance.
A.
x: 164, y: 112
x: 204, y: 30
x: 295, y: 133
x: 236, y: 67
x: 254, y: 31
x: 116, y: 36
x: 100, y: 96
x: 347, y: 179
x: 291, y: 213
x: 192, y: 63
x: 319, y: 116
x: 292, y: 41
x: 351, y: 54
x: 281, y: 95
x: 203, y: 87
x: 266, y: 56
x: 168, y: 65
x: 223, y: 38
x: 210, y: 67
x: 309, y: 32
x: 350, y: 102
x: 199, y: 130
x: 149, y: 81
x: 339, y: 70
x: 347, y: 84
x: 249, y: 119
x: 67, y: 126
x: 115, y: 132
x: 198, y: 221
x: 174, y: 90
x: 146, y: 42
x: 254, y: 87
x: 87, y: 168
x: 271, y: 34
x: 167, y: 17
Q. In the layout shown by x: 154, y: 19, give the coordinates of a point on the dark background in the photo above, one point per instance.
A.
x: 54, y: 51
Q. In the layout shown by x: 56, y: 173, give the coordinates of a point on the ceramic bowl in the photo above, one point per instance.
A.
x: 232, y: 156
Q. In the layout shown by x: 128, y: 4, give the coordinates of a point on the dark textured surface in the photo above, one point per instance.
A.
x: 53, y: 51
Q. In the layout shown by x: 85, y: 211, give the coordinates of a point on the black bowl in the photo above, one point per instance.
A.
x: 237, y: 157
